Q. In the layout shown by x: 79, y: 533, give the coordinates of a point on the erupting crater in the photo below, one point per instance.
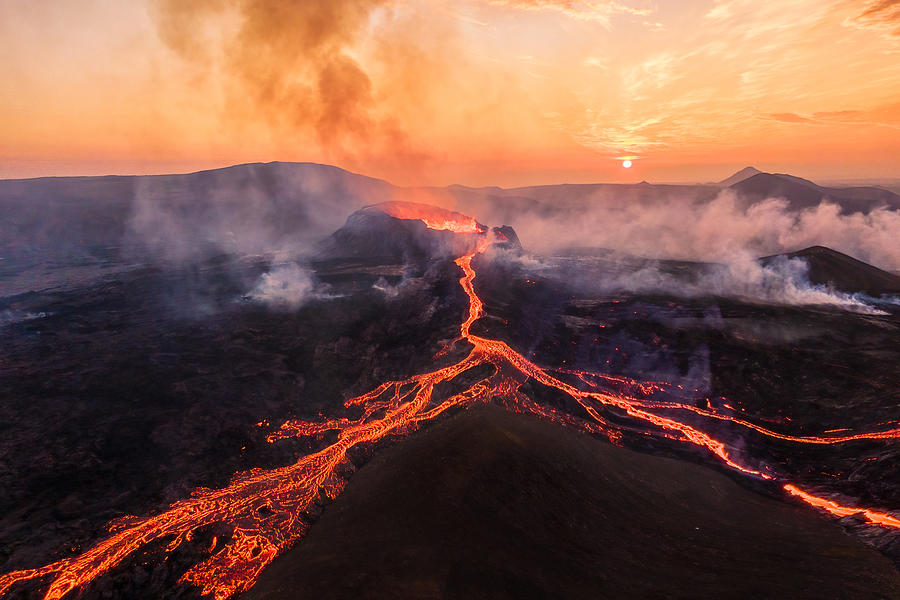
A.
x: 434, y: 217
x: 267, y: 511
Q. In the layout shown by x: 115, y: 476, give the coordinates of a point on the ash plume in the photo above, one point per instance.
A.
x: 285, y: 59
x: 296, y: 66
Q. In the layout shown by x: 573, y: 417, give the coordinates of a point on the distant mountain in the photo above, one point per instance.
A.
x: 802, y: 193
x: 248, y: 208
x: 842, y: 272
x: 741, y: 175
x: 750, y: 184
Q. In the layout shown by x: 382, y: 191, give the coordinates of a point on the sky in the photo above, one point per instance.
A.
x: 477, y: 92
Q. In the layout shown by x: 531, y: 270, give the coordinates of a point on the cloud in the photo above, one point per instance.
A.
x: 790, y: 118
x: 881, y: 15
x: 837, y: 115
x: 596, y: 62
x: 591, y: 10
x: 885, y: 116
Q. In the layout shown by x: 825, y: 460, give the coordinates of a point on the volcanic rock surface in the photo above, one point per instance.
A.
x: 489, y: 504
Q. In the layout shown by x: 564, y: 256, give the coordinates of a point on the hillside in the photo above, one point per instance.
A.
x: 489, y: 504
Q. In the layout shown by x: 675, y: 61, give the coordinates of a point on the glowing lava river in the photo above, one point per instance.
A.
x: 267, y: 511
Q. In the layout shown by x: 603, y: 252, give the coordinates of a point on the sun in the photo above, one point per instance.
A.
x: 626, y: 163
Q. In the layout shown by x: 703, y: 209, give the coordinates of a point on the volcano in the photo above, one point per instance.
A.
x: 497, y: 426
x: 398, y: 232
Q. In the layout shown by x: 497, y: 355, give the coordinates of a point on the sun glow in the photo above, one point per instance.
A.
x: 627, y: 161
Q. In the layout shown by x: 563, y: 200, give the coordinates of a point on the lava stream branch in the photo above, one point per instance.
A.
x: 267, y: 511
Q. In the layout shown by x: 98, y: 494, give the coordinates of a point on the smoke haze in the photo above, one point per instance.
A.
x: 677, y: 226
x: 279, y: 212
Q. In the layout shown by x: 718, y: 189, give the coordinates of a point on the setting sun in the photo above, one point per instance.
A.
x: 626, y: 163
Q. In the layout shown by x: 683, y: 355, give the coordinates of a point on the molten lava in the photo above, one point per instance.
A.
x: 267, y: 510
x: 434, y: 217
x: 837, y: 510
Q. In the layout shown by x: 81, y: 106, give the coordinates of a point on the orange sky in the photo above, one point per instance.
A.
x: 506, y: 92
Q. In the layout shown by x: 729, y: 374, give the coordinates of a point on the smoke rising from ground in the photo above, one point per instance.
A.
x: 781, y: 281
x: 285, y: 286
x: 722, y: 230
x: 276, y: 213
x: 677, y: 226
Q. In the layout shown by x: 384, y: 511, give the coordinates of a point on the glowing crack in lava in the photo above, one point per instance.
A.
x: 267, y: 510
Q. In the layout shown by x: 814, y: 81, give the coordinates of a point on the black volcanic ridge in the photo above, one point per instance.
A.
x: 490, y: 504
x: 839, y: 271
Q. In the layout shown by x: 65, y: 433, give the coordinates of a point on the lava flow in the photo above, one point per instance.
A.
x: 267, y: 511
x: 434, y: 217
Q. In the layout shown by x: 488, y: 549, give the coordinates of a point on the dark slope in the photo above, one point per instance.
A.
x: 801, y: 193
x: 842, y: 272
x: 489, y: 504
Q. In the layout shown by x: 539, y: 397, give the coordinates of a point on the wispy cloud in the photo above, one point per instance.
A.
x: 597, y: 62
x: 790, y: 118
x: 593, y: 10
x: 881, y: 15
x: 883, y: 116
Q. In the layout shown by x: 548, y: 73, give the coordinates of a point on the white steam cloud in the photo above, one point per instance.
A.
x: 781, y: 281
x: 286, y: 286
x: 677, y: 226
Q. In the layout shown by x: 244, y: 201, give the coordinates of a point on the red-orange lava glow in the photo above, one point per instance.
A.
x: 433, y: 216
x: 267, y: 510
x: 838, y: 510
